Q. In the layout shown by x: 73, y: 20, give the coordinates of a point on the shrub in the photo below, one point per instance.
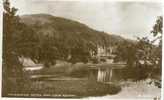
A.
x: 95, y: 60
x: 103, y: 60
x: 136, y: 73
x: 78, y: 70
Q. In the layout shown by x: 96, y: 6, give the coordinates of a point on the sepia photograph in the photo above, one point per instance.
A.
x: 82, y: 49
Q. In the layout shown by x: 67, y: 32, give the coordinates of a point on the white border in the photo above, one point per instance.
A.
x: 162, y: 90
x: 1, y: 12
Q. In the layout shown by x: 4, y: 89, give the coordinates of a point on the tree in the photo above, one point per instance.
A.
x: 148, y: 52
x: 157, y: 28
x: 10, y: 25
x: 11, y: 64
x: 18, y: 40
x: 126, y: 52
x: 157, y: 32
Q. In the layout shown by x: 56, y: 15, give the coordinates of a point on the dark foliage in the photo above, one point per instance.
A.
x: 60, y: 38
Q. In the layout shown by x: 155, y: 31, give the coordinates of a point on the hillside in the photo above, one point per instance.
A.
x: 68, y: 31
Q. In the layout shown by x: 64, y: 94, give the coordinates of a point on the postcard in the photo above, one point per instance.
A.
x: 82, y: 49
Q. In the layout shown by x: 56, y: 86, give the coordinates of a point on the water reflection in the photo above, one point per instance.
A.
x: 104, y: 75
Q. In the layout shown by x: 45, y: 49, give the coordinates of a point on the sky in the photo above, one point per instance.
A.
x: 128, y: 19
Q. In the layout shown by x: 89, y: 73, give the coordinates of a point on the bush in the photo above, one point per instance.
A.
x: 103, y: 60
x: 95, y: 60
x: 136, y: 73
x: 78, y: 70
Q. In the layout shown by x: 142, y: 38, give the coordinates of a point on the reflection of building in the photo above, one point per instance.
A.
x: 107, y: 72
x: 104, y: 75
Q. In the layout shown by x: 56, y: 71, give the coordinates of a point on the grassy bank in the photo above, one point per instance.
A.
x: 63, y: 88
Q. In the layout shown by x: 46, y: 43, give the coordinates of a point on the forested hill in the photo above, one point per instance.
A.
x: 70, y: 32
